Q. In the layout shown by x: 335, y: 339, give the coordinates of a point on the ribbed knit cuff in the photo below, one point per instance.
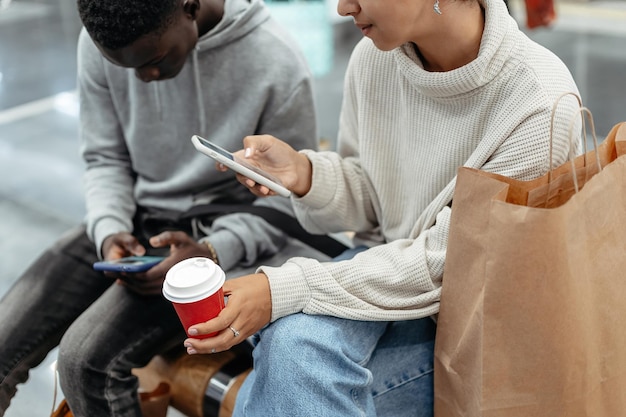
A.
x: 290, y: 291
x: 317, y: 197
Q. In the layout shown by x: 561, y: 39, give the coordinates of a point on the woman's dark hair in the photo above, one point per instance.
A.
x: 115, y: 24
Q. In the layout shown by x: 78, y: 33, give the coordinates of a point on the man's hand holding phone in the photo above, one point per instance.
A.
x: 125, y: 261
x: 150, y: 281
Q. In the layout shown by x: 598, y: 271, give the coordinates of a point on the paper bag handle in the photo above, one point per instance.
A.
x: 620, y: 139
x: 582, y: 111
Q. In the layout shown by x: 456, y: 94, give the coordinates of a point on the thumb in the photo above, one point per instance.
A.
x: 162, y: 239
x: 256, y: 143
x: 132, y: 245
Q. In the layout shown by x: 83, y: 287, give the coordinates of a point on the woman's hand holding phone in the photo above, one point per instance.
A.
x: 241, y: 166
x: 279, y: 159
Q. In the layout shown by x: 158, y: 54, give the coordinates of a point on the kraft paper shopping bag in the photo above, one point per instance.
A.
x: 533, y: 307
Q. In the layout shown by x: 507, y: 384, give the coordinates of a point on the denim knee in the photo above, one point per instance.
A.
x: 302, y: 339
x: 72, y: 359
x: 311, y: 365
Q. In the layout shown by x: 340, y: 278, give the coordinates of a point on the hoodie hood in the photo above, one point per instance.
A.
x: 240, y: 17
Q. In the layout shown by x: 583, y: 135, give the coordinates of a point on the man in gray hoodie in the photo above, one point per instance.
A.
x: 150, y: 75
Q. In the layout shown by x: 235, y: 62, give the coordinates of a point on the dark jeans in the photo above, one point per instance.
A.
x: 104, y: 330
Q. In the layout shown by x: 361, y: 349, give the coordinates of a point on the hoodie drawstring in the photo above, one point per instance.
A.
x: 158, y: 101
x: 196, y: 77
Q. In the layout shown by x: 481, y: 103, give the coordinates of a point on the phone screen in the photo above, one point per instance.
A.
x: 217, y: 149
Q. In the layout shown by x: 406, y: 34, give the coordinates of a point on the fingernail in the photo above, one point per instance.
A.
x: 193, y: 332
x: 248, y: 152
x: 191, y: 351
x: 187, y: 345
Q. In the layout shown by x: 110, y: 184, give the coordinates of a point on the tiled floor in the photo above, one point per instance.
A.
x: 40, y: 185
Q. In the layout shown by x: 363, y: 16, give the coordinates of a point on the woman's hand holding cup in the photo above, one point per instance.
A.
x: 249, y: 308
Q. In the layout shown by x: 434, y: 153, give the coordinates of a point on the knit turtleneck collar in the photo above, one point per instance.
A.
x: 497, y: 45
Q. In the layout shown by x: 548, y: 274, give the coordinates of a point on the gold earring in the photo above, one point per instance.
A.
x: 436, y: 7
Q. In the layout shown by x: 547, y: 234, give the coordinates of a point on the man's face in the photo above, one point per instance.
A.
x: 158, y: 56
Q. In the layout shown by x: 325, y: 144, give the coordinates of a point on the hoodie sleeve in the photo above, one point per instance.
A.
x: 241, y: 239
x: 108, y: 179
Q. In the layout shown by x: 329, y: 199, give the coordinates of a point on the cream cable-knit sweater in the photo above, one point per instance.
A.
x: 403, y: 134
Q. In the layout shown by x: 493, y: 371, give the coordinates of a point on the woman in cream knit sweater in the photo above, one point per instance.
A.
x: 431, y: 87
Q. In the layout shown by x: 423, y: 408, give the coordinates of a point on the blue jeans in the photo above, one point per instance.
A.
x: 325, y: 366
x: 104, y: 330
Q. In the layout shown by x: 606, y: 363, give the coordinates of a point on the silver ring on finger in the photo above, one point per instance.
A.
x: 235, y: 331
x: 213, y: 350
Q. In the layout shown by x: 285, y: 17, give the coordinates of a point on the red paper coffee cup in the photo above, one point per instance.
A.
x: 194, y: 286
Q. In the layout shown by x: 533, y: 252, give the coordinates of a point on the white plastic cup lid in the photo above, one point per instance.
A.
x: 192, y: 280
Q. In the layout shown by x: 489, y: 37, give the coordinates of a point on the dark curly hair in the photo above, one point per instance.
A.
x: 115, y: 24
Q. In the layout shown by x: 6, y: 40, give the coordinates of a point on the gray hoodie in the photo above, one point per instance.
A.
x: 246, y: 76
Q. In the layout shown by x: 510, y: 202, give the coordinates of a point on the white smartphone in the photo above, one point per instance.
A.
x: 256, y: 174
